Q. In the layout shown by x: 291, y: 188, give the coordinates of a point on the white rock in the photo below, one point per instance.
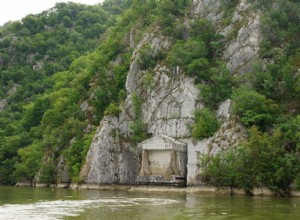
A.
x: 3, y: 104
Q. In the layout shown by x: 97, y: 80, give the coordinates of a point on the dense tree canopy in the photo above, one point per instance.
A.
x: 47, y: 63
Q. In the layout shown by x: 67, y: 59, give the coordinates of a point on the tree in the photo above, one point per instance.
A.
x: 254, y: 108
x: 261, y: 161
x: 31, y: 157
x: 183, y: 53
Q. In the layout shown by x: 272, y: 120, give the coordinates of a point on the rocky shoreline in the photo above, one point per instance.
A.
x: 169, y: 189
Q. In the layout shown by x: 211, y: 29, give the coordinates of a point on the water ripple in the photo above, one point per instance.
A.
x: 54, y: 210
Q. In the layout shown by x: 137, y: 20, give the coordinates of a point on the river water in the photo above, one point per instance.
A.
x: 49, y: 204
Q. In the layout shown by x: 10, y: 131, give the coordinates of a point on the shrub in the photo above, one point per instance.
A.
x: 199, y: 68
x: 149, y: 57
x: 230, y: 168
x: 137, y: 127
x: 113, y: 110
x: 206, y: 124
x: 148, y: 80
x: 76, y: 154
x: 254, y: 108
x: 184, y: 52
x: 218, y: 86
x: 47, y: 173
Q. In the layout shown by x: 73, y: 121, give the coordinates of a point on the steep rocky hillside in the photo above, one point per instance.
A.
x: 220, y: 76
x: 169, y: 96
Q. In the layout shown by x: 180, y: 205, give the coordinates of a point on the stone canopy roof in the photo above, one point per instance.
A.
x: 163, y: 142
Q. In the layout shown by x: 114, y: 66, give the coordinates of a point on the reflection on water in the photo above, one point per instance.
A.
x: 34, y: 203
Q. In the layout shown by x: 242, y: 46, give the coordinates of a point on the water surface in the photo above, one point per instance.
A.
x: 51, y: 204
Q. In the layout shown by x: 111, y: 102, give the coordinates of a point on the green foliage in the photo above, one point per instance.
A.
x: 122, y: 95
x: 47, y: 173
x: 281, y: 166
x: 31, y: 157
x: 136, y: 105
x: 261, y: 161
x: 203, y: 30
x: 184, y: 52
x: 149, y: 57
x: 199, y: 67
x: 167, y: 14
x: 60, y: 60
x: 290, y: 128
x: 113, y: 110
x: 34, y: 113
x: 76, y: 154
x: 116, y: 6
x: 7, y: 169
x: 108, y: 85
x: 218, y: 86
x: 137, y: 127
x: 280, y: 28
x: 44, y: 112
x: 198, y: 57
x: 231, y: 168
x: 206, y: 124
x: 228, y: 7
x: 230, y: 3
x: 148, y: 80
x: 254, y: 108
x: 278, y: 82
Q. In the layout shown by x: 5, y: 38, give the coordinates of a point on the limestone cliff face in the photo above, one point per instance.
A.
x: 243, y: 49
x: 244, y: 29
x: 169, y: 101
x: 110, y: 159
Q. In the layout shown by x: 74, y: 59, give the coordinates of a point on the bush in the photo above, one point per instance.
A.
x: 199, y: 68
x: 47, y: 173
x: 148, y: 80
x: 113, y: 110
x: 30, y: 161
x: 137, y: 127
x: 230, y: 168
x: 254, y: 108
x: 149, y: 57
x: 184, y: 52
x: 206, y: 124
x: 76, y: 154
x: 218, y: 86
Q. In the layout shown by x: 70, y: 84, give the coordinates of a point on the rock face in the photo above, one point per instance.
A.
x: 230, y: 134
x: 168, y: 107
x: 62, y: 171
x: 3, y: 104
x: 11, y: 91
x: 110, y: 159
x: 168, y: 103
x: 243, y: 50
x: 207, y: 9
